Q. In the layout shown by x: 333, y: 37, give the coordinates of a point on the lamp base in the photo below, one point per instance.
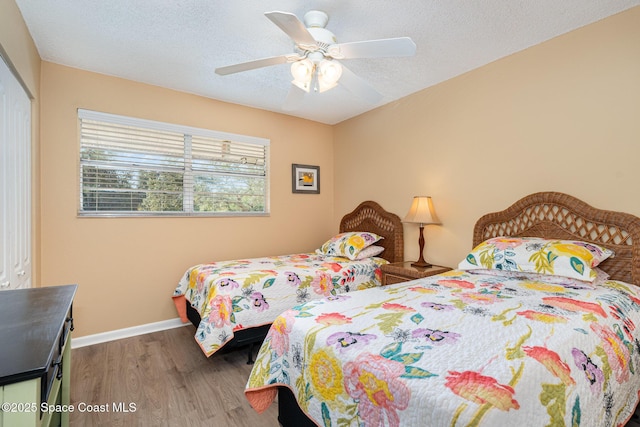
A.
x: 421, y: 264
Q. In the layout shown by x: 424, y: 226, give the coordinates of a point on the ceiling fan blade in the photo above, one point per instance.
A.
x: 359, y: 86
x: 258, y: 63
x: 384, y: 48
x: 294, y: 98
x: 294, y: 28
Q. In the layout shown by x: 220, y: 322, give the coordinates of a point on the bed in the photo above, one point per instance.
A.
x: 232, y: 303
x: 487, y: 344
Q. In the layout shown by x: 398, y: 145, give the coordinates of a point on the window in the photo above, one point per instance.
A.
x: 133, y: 167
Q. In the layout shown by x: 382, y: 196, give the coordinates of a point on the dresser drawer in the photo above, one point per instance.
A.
x: 55, y: 371
x: 57, y: 380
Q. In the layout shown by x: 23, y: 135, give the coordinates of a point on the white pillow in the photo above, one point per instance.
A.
x: 369, y: 252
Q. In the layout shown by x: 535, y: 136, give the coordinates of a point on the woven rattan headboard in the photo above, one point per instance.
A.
x: 370, y: 216
x: 560, y: 216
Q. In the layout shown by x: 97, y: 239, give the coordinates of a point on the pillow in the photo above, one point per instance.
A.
x: 567, y: 258
x: 348, y: 245
x: 369, y: 252
x: 601, y: 277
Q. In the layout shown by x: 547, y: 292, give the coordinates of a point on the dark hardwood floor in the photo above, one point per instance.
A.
x: 162, y: 379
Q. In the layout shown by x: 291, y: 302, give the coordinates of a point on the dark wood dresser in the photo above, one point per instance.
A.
x: 35, y: 355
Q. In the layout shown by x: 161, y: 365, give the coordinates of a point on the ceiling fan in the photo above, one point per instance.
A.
x: 314, y: 64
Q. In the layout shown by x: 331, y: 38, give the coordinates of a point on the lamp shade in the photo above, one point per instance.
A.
x: 422, y: 211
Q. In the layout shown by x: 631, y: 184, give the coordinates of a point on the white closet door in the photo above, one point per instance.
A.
x: 5, y: 261
x: 15, y: 182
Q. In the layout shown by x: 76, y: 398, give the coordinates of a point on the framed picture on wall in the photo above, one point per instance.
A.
x: 305, y: 179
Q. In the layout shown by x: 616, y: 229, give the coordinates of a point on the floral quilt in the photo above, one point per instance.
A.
x: 458, y: 349
x: 240, y: 294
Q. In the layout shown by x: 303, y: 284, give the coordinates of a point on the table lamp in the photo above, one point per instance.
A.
x: 422, y: 212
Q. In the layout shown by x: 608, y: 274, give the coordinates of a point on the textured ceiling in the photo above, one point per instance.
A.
x: 177, y: 44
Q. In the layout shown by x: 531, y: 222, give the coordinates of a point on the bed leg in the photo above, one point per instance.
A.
x: 250, y: 355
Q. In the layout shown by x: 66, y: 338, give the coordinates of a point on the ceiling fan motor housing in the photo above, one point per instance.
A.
x: 323, y: 37
x: 315, y: 18
x: 315, y: 21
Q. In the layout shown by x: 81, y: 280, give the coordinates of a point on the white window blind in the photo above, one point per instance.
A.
x: 132, y: 166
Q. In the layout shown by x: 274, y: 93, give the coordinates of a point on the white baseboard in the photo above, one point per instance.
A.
x: 126, y: 332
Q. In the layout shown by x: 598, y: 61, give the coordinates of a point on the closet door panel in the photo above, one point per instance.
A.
x: 15, y: 182
x: 21, y: 252
x: 5, y: 250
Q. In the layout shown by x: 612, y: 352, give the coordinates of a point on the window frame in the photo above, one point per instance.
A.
x: 187, y: 131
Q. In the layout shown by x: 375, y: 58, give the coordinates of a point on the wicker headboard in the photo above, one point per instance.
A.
x: 560, y: 216
x: 370, y: 216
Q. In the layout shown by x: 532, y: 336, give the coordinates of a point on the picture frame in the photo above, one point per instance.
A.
x: 305, y: 179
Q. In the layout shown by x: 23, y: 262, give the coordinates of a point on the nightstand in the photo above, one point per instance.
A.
x: 398, y: 272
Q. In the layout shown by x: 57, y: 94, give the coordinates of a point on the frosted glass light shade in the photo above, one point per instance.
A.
x: 302, y: 71
x: 330, y: 71
x: 315, y: 74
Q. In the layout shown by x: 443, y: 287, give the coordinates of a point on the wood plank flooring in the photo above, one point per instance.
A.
x: 167, y: 378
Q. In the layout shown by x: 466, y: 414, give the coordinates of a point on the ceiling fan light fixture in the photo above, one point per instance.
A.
x: 330, y: 71
x: 315, y: 49
x: 302, y: 70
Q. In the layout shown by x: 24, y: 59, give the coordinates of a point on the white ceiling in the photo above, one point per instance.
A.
x: 177, y: 44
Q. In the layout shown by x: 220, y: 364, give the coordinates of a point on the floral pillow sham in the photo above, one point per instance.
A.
x: 567, y: 282
x: 348, y: 245
x: 566, y: 258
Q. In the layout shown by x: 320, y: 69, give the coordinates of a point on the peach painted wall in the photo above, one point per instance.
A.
x: 17, y: 45
x: 560, y: 116
x: 127, y: 268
